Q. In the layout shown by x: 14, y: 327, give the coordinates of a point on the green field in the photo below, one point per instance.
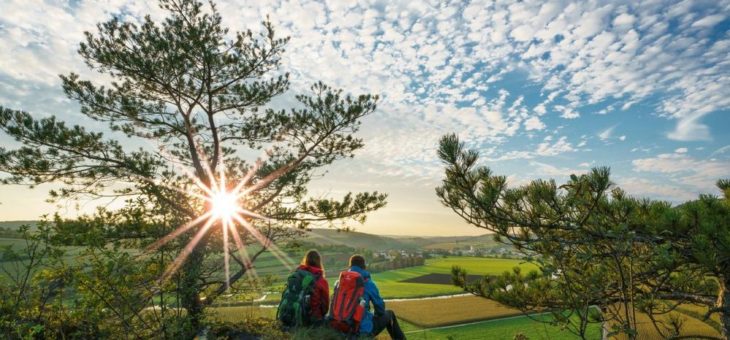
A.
x: 390, y: 286
x: 389, y: 282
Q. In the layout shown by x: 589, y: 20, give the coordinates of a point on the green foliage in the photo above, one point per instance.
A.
x: 249, y: 326
x: 595, y: 245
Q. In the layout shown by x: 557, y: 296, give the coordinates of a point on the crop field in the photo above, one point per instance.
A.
x: 449, y: 311
x: 477, y: 265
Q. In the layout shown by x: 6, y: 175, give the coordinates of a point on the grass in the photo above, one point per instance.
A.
x: 449, y: 311
x: 239, y: 313
x: 498, y: 329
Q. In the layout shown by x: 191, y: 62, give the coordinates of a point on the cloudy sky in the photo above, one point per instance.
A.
x: 542, y: 89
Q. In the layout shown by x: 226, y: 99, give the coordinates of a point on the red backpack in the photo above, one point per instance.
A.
x: 348, y: 304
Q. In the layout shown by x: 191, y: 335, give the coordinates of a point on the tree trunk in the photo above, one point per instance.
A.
x: 190, y: 293
x: 723, y: 302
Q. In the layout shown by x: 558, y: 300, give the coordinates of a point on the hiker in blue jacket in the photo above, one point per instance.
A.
x: 373, y: 324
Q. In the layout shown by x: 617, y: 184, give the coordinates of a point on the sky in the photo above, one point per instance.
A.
x: 542, y: 89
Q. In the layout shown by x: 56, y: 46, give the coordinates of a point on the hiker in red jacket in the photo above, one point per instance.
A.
x: 320, y: 300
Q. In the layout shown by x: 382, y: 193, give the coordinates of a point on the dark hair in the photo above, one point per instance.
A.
x: 312, y: 258
x: 357, y: 260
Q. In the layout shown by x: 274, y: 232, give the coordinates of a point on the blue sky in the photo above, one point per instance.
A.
x: 543, y: 89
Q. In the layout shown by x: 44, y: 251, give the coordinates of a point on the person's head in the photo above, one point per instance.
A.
x: 312, y: 258
x: 357, y: 260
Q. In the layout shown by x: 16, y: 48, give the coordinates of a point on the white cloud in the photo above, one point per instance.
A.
x: 577, y: 53
x: 606, y: 134
x: 560, y: 146
x: 534, y: 123
x: 624, y: 20
x: 709, y: 21
x: 640, y: 187
x: 699, y: 174
x: 566, y: 112
x: 721, y: 150
x: 542, y: 170
x: 681, y: 150
x: 522, y: 33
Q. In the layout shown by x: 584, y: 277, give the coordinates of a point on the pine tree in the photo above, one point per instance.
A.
x: 594, y: 245
x: 198, y: 96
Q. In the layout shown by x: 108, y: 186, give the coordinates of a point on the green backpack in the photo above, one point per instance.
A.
x: 295, y: 308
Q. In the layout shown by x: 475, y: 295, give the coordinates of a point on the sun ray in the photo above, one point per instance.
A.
x: 246, y: 178
x: 177, y: 232
x: 243, y: 252
x: 268, y: 179
x: 224, y: 226
x: 266, y: 242
x: 189, y: 174
x: 205, y: 163
x: 180, y: 259
x: 224, y: 206
x: 252, y: 214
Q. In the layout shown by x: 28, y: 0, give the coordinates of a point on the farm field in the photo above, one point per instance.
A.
x: 391, y: 285
x: 478, y: 265
x: 449, y: 311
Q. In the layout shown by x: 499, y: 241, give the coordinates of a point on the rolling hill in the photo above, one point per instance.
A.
x: 355, y: 239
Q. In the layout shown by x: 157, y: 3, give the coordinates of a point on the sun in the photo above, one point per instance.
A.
x: 225, y: 211
x: 224, y: 205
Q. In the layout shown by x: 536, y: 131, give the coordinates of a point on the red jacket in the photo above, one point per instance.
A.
x: 320, y: 300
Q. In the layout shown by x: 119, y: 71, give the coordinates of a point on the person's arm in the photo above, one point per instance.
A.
x: 316, y: 302
x: 325, y: 297
x: 377, y: 301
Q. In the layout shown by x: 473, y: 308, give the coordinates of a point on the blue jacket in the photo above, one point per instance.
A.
x: 372, y: 295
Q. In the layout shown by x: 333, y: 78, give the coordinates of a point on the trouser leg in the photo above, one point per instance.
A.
x: 390, y: 322
x: 393, y: 327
